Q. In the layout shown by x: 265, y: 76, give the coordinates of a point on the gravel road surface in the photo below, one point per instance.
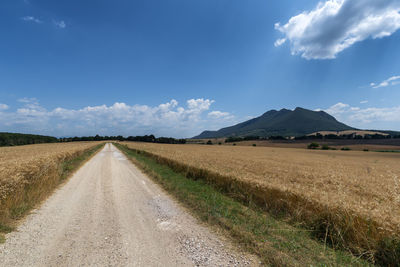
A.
x: 110, y: 214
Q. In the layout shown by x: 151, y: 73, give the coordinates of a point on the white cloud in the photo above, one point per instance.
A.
x: 364, y: 102
x: 279, y: 42
x: 335, y: 25
x: 3, y: 106
x: 60, y: 24
x: 337, y: 108
x: 28, y: 100
x: 30, y: 103
x: 367, y: 118
x: 166, y: 119
x: 394, y: 80
x: 32, y: 19
x: 200, y: 104
x: 220, y: 115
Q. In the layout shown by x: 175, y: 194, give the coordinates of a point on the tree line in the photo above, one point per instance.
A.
x: 17, y: 139
x: 140, y: 138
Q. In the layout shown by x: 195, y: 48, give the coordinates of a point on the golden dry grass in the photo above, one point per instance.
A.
x: 357, y: 191
x: 29, y: 173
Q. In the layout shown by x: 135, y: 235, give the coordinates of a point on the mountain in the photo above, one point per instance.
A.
x: 283, y: 122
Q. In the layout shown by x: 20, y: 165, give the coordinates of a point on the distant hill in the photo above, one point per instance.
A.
x: 16, y: 139
x: 284, y: 122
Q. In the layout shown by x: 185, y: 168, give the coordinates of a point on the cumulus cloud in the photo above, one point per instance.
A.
x: 60, y: 24
x: 31, y: 19
x: 394, y: 80
x: 369, y: 118
x: 199, y: 105
x: 364, y: 102
x: 3, y: 106
x: 335, y: 25
x: 220, y: 115
x: 166, y: 119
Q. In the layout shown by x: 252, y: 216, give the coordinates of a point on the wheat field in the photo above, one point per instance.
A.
x: 349, y: 183
x: 29, y: 173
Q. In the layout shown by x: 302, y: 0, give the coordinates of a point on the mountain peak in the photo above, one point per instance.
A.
x: 272, y: 111
x: 284, y: 122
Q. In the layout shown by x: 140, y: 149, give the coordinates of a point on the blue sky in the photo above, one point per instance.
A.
x: 178, y: 67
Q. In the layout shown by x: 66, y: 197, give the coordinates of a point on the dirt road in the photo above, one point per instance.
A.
x: 110, y: 214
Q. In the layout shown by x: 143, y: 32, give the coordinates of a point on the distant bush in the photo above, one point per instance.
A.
x: 219, y: 143
x: 313, y: 146
x: 254, y: 145
x: 365, y: 149
x: 209, y: 142
x: 345, y: 148
x: 232, y: 139
x: 325, y: 147
x: 277, y: 137
x: 234, y: 144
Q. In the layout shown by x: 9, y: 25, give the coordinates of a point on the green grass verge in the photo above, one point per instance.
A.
x: 70, y: 166
x: 275, y: 241
x: 3, y: 230
x: 66, y: 170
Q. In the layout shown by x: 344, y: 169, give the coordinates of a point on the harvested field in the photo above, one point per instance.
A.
x: 347, y: 132
x: 29, y: 173
x: 372, y: 145
x: 353, y: 144
x: 352, y: 196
